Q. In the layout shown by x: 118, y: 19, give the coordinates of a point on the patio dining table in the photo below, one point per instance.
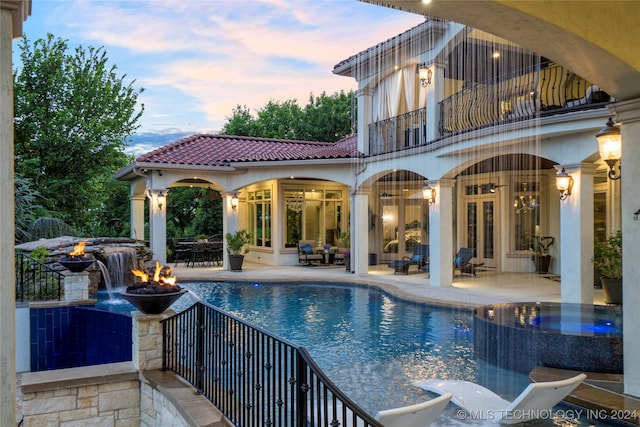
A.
x: 199, y: 253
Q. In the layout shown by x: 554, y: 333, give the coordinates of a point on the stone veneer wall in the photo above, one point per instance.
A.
x: 88, y: 396
x: 118, y: 394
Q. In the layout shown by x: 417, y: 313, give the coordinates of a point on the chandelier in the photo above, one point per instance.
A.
x: 525, y: 204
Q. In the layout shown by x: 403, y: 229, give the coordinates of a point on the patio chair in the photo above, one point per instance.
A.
x: 463, y: 262
x: 419, y: 415
x: 485, y: 404
x: 213, y: 251
x: 306, y: 253
x: 420, y: 258
x: 181, y: 251
x: 198, y: 254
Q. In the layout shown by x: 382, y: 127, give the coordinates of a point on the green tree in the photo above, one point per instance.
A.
x: 193, y: 212
x: 280, y: 120
x: 240, y: 123
x: 208, y: 218
x: 182, y: 203
x: 26, y: 207
x: 328, y: 118
x: 72, y: 116
x: 325, y: 118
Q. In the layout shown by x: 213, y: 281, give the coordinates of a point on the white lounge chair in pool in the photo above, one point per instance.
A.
x: 482, y: 403
x: 419, y: 415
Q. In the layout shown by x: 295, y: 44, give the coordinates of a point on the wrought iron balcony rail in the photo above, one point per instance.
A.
x: 546, y: 89
x: 252, y: 376
x: 397, y: 133
x: 35, y: 280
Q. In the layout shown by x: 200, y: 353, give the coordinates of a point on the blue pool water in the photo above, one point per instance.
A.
x: 371, y: 344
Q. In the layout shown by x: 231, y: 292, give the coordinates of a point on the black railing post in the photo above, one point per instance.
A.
x: 20, y: 275
x: 200, y: 344
x: 301, y: 391
x: 165, y: 354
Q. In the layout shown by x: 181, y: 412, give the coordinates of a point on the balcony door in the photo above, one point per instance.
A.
x: 480, y: 214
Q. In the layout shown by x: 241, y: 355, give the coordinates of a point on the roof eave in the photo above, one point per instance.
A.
x: 269, y: 163
x: 434, y: 25
x: 129, y: 172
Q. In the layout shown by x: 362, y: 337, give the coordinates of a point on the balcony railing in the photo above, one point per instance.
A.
x: 546, y: 89
x: 252, y: 376
x: 397, y: 133
x: 35, y: 280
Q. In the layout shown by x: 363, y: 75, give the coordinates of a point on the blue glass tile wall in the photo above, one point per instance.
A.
x: 69, y: 337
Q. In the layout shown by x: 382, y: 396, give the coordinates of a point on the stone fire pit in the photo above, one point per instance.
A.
x: 156, y: 291
x: 76, y: 261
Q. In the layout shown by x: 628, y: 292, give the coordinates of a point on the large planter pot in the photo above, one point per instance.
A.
x: 153, y: 303
x: 235, y: 262
x: 612, y: 290
x: 542, y: 263
x: 347, y: 262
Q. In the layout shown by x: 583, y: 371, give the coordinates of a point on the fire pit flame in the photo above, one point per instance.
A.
x: 161, y: 276
x: 78, y: 250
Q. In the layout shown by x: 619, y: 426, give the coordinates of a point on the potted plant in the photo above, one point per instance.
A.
x: 236, y: 243
x: 541, y: 257
x: 345, y: 239
x: 607, y: 259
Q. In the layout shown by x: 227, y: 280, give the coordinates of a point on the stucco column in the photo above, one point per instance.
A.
x: 441, y: 234
x: 433, y: 94
x: 229, y: 225
x: 365, y: 114
x: 158, y: 224
x: 7, y: 257
x: 360, y: 234
x: 136, y: 217
x: 628, y: 113
x: 576, y: 225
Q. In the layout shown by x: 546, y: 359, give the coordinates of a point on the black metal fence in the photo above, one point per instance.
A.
x: 35, y: 280
x: 252, y: 376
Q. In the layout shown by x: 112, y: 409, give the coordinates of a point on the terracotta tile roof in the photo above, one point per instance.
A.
x: 221, y: 150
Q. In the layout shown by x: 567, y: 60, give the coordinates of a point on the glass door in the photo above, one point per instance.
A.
x: 480, y: 230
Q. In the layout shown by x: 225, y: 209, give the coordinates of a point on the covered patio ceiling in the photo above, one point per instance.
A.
x: 594, y: 39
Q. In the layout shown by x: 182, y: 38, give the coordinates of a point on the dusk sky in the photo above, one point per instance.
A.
x: 197, y: 60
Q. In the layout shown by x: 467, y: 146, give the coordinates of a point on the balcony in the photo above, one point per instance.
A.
x: 397, y: 133
x: 549, y: 89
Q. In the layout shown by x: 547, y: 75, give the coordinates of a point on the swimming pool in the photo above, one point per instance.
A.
x: 371, y: 344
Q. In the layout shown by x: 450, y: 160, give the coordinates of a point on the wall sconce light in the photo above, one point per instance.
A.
x: 160, y: 197
x: 428, y: 193
x: 425, y: 74
x: 610, y: 145
x: 564, y: 184
x: 234, y: 201
x: 161, y: 200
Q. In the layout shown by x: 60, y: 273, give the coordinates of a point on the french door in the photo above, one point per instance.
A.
x: 481, y: 229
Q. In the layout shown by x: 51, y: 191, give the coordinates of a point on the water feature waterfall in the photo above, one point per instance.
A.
x: 116, y: 268
x: 106, y: 276
x: 120, y: 264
